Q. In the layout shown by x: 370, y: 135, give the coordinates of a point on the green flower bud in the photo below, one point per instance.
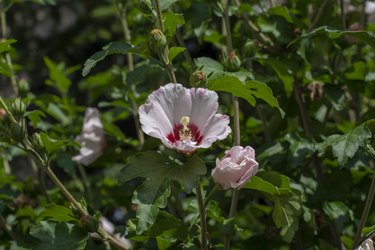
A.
x: 18, y: 108
x: 157, y: 41
x: 23, y: 86
x: 17, y: 131
x: 143, y: 6
x: 90, y: 223
x: 232, y: 63
x: 37, y: 143
x: 198, y: 79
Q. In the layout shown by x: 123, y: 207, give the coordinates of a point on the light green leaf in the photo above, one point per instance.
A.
x: 110, y: 49
x: 256, y: 183
x: 55, y: 111
x: 5, y: 69
x: 282, y: 72
x: 247, y: 90
x: 281, y: 11
x: 34, y: 116
x: 53, y: 145
x: 332, y: 33
x: 57, y: 75
x: 61, y: 235
x: 164, y: 4
x: 56, y: 213
x: 171, y: 21
x: 336, y: 209
x: 174, y: 51
x: 5, y: 45
x: 345, y: 146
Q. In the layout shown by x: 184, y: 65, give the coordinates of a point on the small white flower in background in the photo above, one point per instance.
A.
x: 368, y: 244
x: 370, y: 7
x: 110, y: 229
x: 183, y: 119
x: 236, y: 168
x: 107, y: 225
x: 91, y: 139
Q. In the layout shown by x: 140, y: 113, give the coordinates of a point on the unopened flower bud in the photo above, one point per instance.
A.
x: 23, y: 86
x: 236, y: 168
x: 17, y: 131
x: 197, y: 79
x: 3, y: 113
x: 232, y: 63
x: 90, y: 223
x: 316, y: 90
x: 37, y: 143
x: 157, y: 40
x: 143, y: 6
x: 18, y: 108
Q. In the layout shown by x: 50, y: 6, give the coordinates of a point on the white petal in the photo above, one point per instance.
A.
x: 216, y: 129
x: 204, y: 106
x: 174, y: 99
x: 154, y: 120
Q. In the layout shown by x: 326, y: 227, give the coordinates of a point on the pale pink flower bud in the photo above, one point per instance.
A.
x: 91, y: 139
x: 236, y: 168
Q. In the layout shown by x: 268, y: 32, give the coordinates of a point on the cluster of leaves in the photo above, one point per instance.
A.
x: 306, y: 87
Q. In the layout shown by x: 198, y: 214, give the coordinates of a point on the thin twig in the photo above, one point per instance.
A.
x: 318, y: 16
x: 202, y: 213
x: 7, y: 228
x: 85, y: 181
x: 130, y: 63
x: 366, y: 210
x: 8, y: 59
x: 181, y: 42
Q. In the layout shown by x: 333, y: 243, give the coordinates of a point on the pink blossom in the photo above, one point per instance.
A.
x: 236, y: 168
x: 183, y: 119
x: 91, y: 139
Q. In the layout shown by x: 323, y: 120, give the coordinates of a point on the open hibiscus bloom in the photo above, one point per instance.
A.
x: 183, y: 119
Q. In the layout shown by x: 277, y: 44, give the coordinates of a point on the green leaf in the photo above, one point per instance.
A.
x: 345, y: 146
x: 5, y: 69
x: 5, y: 45
x: 53, y: 145
x: 56, y: 112
x: 336, y: 209
x: 34, y: 116
x: 61, y: 235
x: 332, y: 33
x: 159, y: 170
x: 282, y: 72
x: 58, y: 78
x: 164, y: 4
x: 174, y: 51
x: 299, y: 149
x: 168, y: 226
x: 256, y: 183
x: 56, y: 213
x: 281, y: 11
x: 247, y: 90
x: 110, y: 49
x: 171, y: 21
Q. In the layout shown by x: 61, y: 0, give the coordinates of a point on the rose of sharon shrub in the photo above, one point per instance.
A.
x: 183, y: 119
x: 236, y: 168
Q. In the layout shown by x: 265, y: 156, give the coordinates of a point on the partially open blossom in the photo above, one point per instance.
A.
x: 91, y: 139
x: 183, y: 119
x: 367, y: 244
x: 236, y: 168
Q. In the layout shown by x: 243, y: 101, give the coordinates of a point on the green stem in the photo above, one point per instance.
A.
x: 8, y: 59
x: 169, y: 65
x: 7, y: 228
x: 85, y: 181
x: 236, y: 118
x: 366, y: 210
x: 202, y: 214
x: 130, y: 62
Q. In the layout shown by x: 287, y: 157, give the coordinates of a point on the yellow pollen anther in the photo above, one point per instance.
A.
x: 185, y: 132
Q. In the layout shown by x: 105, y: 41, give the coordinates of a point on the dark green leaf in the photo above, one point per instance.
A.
x: 61, y: 235
x: 109, y: 49
x: 53, y: 145
x: 345, y: 146
x: 34, y: 116
x: 332, y: 33
x: 164, y: 4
